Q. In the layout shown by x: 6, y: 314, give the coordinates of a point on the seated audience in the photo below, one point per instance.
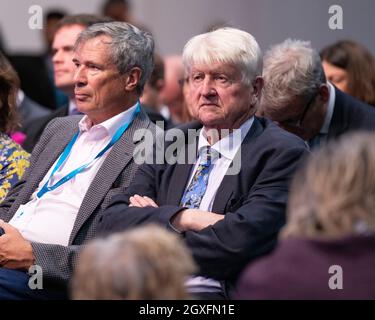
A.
x: 144, y: 263
x: 79, y: 163
x: 298, y: 97
x: 327, y: 246
x: 226, y: 194
x: 351, y: 68
x: 13, y: 159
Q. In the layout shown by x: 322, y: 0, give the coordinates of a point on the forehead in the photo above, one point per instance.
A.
x: 216, y: 67
x: 95, y: 49
x: 67, y: 35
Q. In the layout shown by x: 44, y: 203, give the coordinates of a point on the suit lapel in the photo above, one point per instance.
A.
x: 225, y: 191
x: 118, y: 158
x: 50, y: 154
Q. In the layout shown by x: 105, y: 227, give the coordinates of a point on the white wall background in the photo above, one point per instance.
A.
x: 173, y: 22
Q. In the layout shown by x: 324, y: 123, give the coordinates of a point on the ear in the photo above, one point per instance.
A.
x: 133, y: 76
x: 258, y: 86
x: 324, y: 93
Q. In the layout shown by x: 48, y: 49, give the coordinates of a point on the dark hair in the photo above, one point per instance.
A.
x: 107, y: 4
x: 9, y: 84
x: 55, y: 14
x: 359, y: 64
x: 85, y: 20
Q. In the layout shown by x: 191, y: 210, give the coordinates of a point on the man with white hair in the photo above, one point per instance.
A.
x: 229, y: 202
x: 298, y: 98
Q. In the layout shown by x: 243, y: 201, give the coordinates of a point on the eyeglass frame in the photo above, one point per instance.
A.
x: 303, y: 115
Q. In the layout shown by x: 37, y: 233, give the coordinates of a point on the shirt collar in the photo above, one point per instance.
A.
x: 329, y: 113
x: 111, y: 125
x: 229, y: 145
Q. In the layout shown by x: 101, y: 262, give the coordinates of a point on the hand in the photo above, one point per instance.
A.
x: 15, y: 251
x: 194, y: 219
x: 141, y: 202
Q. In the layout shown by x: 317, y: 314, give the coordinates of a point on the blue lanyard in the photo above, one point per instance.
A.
x: 68, y: 149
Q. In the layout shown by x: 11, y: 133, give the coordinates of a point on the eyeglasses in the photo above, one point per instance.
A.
x: 297, y: 123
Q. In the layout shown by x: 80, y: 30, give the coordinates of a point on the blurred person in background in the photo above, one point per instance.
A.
x: 327, y: 246
x: 171, y: 95
x: 150, y: 98
x: 351, y: 68
x: 13, y: 159
x: 118, y: 10
x: 144, y: 263
x: 299, y: 99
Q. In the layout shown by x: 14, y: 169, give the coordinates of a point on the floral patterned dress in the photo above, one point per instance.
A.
x: 13, y: 163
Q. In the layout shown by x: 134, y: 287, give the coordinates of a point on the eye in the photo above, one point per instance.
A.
x: 197, y: 77
x: 221, y: 78
x: 93, y: 67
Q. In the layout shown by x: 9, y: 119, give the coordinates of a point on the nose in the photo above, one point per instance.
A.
x: 208, y: 88
x: 80, y: 78
x: 57, y: 57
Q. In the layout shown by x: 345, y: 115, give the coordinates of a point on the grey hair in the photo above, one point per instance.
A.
x: 130, y: 47
x: 291, y: 69
x: 147, y: 262
x: 225, y: 45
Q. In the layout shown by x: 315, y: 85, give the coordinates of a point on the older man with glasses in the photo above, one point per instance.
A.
x: 298, y: 98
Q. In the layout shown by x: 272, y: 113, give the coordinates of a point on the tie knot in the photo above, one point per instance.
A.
x: 208, y: 155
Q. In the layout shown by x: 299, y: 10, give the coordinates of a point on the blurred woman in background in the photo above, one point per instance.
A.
x: 351, y: 68
x: 327, y: 248
x: 13, y: 159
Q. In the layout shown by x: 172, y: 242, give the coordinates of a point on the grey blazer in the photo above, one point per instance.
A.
x: 114, y: 176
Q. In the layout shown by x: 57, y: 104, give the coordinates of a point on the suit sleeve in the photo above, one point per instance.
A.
x: 223, y: 249
x: 57, y: 262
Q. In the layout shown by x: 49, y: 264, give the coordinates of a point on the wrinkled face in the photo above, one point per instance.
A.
x: 338, y: 76
x: 62, y: 54
x: 218, y: 97
x: 99, y: 88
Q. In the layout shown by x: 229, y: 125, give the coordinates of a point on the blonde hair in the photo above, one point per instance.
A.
x: 144, y: 263
x: 334, y: 196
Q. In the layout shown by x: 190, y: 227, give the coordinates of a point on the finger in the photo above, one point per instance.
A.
x: 150, y: 202
x: 6, y: 226
x: 134, y: 202
x: 143, y: 202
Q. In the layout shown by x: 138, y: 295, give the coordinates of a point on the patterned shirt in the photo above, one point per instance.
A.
x: 13, y: 163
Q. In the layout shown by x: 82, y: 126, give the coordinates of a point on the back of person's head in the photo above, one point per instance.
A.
x: 359, y: 65
x: 227, y: 46
x: 84, y: 20
x: 119, y: 10
x: 291, y: 69
x: 129, y: 47
x: 144, y: 263
x: 9, y: 85
x: 334, y: 195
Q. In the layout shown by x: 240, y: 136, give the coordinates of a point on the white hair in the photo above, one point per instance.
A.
x: 291, y: 69
x: 228, y: 46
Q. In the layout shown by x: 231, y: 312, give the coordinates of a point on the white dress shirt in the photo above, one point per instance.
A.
x: 50, y: 219
x: 227, y: 147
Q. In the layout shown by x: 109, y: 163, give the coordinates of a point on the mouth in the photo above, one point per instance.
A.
x: 80, y: 96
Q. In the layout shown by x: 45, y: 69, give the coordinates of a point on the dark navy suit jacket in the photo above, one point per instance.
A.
x: 252, y: 201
